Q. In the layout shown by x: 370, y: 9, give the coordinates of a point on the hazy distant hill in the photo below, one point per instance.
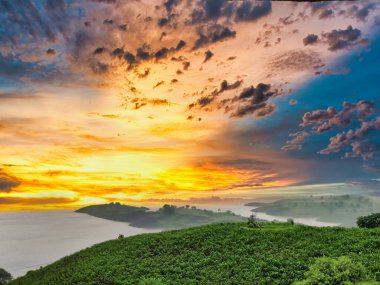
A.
x: 343, y: 209
x: 167, y: 217
x: 222, y: 254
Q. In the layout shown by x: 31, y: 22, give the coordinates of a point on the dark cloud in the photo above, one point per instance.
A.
x: 310, y: 39
x: 207, y: 100
x: 208, y: 55
x: 186, y: 65
x: 253, y: 100
x: 181, y: 44
x: 360, y: 13
x: 99, y: 50
x: 326, y: 13
x: 7, y: 182
x: 213, y: 34
x: 342, y: 39
x: 247, y: 11
x: 213, y: 10
x: 108, y: 22
x: 51, y: 52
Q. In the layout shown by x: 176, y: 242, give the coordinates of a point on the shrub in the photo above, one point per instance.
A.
x: 151, y: 281
x: 341, y: 271
x: 371, y: 221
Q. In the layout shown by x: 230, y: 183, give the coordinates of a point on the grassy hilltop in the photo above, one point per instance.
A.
x: 216, y: 254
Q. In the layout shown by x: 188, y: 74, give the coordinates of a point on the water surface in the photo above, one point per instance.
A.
x: 29, y: 240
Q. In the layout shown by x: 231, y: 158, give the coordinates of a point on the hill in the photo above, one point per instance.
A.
x: 342, y: 209
x: 167, y: 217
x: 214, y: 254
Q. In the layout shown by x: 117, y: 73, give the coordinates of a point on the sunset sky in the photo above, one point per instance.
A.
x: 146, y: 101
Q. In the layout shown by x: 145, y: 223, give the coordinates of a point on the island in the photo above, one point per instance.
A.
x: 166, y: 217
x: 341, y: 209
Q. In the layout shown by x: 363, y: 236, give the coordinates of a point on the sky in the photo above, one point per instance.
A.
x: 147, y: 101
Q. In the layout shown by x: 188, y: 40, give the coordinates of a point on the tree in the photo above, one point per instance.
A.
x: 290, y: 221
x: 340, y: 271
x: 5, y: 276
x: 168, y: 209
x: 371, y: 221
x: 253, y: 222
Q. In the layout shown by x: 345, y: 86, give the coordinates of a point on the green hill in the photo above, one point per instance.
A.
x: 214, y: 254
x: 342, y: 209
x: 167, y: 217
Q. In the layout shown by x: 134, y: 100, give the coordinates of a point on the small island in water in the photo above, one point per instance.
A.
x: 166, y: 217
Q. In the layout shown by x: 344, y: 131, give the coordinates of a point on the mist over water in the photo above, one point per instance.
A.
x: 29, y: 240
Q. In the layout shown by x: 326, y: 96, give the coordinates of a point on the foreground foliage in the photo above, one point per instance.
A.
x: 340, y: 271
x: 371, y: 221
x: 215, y: 254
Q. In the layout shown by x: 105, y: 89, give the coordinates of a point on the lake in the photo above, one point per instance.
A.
x: 29, y: 240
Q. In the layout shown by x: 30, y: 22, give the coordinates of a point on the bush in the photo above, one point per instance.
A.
x: 151, y: 281
x: 341, y: 271
x: 5, y: 276
x: 371, y: 221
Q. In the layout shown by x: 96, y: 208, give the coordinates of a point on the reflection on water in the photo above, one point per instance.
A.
x: 29, y: 240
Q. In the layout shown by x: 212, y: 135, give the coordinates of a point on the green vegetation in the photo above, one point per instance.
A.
x: 340, y: 271
x: 5, y: 276
x: 343, y: 209
x: 167, y: 217
x: 371, y: 221
x: 275, y: 254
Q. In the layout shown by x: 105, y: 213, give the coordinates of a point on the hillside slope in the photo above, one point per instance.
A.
x: 214, y: 254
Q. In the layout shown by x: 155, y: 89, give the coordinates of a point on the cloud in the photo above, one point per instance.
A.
x: 310, y: 39
x: 208, y: 55
x: 207, y: 100
x: 324, y: 120
x: 214, y: 33
x: 297, y: 141
x: 253, y: 100
x: 249, y: 12
x: 138, y: 103
x: 326, y: 13
x: 342, y: 39
x: 295, y: 60
x: 356, y: 138
x: 7, y: 182
x: 360, y: 13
